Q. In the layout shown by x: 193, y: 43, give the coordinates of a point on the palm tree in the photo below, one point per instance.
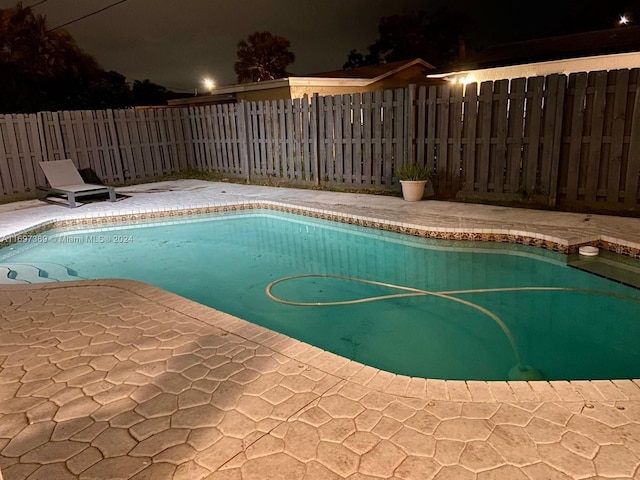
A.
x: 263, y: 56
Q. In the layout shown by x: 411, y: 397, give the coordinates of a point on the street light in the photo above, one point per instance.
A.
x: 209, y: 84
x: 624, y: 20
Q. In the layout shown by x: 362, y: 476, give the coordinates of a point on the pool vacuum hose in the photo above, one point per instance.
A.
x: 521, y: 371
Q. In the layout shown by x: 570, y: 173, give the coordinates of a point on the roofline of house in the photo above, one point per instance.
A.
x: 458, y: 74
x: 295, y: 82
x: 413, y: 62
x: 273, y: 84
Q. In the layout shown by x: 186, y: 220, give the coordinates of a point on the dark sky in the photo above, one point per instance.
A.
x: 178, y: 42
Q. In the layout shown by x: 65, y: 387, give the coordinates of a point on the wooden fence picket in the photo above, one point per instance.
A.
x: 443, y: 133
x: 356, y: 139
x: 619, y: 113
x: 599, y: 83
x: 485, y: 100
x: 532, y: 129
x: 631, y: 193
x: 515, y: 134
x: 6, y: 182
x: 398, y: 156
x: 256, y: 140
x: 348, y: 119
x: 576, y: 103
x: 500, y: 114
x: 469, y: 129
x: 314, y: 139
x: 377, y: 158
x: 339, y: 147
x: 264, y: 145
x: 550, y: 137
x: 386, y: 168
x: 12, y: 174
x: 455, y: 156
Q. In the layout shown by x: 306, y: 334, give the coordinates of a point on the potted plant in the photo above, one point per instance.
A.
x: 413, y: 178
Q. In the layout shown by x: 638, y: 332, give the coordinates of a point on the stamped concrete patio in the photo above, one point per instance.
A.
x: 118, y: 379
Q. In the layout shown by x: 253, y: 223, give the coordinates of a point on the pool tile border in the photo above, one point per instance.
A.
x: 437, y: 233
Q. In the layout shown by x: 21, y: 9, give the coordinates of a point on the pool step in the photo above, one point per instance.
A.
x: 42, y: 272
x: 609, y: 265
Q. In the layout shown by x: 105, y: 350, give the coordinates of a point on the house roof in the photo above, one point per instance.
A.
x: 601, y: 42
x: 357, y: 77
x: 374, y: 72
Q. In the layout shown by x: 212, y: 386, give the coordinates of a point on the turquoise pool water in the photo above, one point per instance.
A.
x: 228, y: 260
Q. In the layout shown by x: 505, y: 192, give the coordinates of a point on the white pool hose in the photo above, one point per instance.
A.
x: 521, y: 371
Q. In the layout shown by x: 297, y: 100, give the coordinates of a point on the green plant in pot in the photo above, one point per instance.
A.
x: 413, y: 178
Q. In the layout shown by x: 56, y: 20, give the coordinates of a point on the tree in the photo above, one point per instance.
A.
x: 263, y: 56
x: 148, y: 93
x: 43, y: 69
x: 436, y: 38
x: 28, y: 44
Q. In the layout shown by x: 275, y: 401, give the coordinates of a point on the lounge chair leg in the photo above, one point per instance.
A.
x: 112, y: 194
x: 72, y: 200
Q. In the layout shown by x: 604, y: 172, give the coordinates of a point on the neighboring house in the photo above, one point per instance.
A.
x: 612, y: 49
x: 582, y: 52
x: 356, y: 80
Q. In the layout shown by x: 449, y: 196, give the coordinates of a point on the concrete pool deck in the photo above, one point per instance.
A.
x: 118, y: 379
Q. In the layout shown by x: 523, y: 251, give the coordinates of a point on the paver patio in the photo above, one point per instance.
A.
x: 118, y: 379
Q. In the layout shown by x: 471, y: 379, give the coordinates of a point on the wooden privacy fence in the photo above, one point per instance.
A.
x: 563, y: 141
x: 119, y: 145
x: 554, y: 140
x: 275, y: 139
x: 344, y: 140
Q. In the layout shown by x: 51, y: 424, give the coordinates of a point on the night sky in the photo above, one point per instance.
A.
x: 178, y: 42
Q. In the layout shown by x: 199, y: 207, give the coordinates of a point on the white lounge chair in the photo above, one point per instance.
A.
x: 65, y: 180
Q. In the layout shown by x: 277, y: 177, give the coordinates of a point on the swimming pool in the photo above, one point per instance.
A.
x: 473, y: 315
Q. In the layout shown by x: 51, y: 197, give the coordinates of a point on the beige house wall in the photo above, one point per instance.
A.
x: 416, y: 75
x: 280, y: 93
x: 322, y: 90
x: 413, y: 75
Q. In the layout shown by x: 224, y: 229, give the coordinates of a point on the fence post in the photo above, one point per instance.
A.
x: 408, y: 149
x: 243, y: 137
x: 117, y: 155
x: 469, y: 131
x: 41, y: 138
x: 315, y: 137
x: 561, y: 87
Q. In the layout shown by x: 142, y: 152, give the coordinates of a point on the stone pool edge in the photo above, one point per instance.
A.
x: 477, y: 391
x: 499, y: 235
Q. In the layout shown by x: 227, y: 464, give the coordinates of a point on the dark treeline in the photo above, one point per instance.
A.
x: 42, y: 69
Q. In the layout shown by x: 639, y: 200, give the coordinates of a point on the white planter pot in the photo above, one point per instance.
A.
x: 413, y: 190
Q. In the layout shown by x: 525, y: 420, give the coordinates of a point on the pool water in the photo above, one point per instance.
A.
x: 587, y: 329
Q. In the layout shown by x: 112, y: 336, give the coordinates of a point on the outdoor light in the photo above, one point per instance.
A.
x: 624, y: 20
x: 209, y: 84
x: 467, y: 80
x: 464, y: 80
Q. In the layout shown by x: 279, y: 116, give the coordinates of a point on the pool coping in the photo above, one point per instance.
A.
x: 477, y: 391
x: 499, y: 235
x: 370, y: 377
